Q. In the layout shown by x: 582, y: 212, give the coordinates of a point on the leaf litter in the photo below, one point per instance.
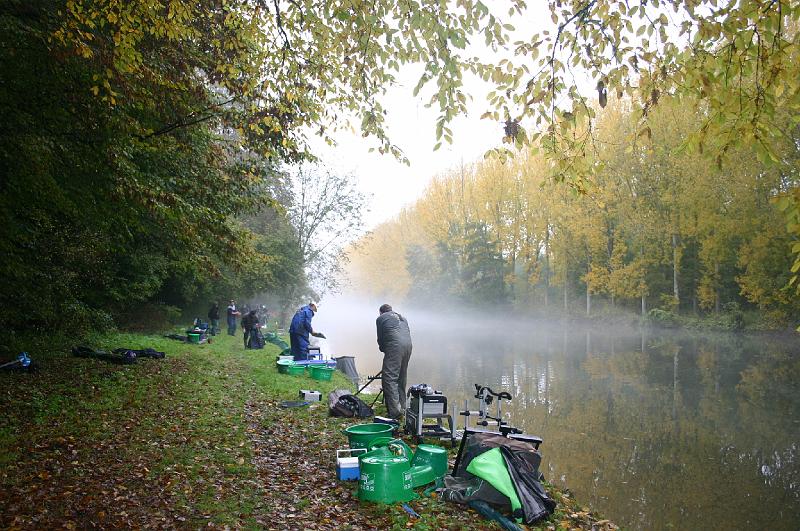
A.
x: 195, y: 440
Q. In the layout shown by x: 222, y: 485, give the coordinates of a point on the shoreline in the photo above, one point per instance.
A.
x: 195, y: 439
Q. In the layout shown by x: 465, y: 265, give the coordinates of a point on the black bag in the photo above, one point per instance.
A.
x: 146, y: 353
x: 536, y: 504
x: 256, y: 339
x: 351, y: 406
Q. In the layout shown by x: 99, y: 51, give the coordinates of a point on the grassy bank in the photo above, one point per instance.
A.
x: 195, y: 439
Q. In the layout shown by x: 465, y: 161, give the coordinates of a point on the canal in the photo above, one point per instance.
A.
x: 655, y: 430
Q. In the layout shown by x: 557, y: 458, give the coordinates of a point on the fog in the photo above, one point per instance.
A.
x: 448, y: 332
x: 652, y: 428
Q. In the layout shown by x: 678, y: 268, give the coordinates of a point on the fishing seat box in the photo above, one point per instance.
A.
x: 431, y: 404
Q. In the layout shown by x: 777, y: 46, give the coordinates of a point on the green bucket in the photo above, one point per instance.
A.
x: 435, y: 456
x: 194, y: 338
x: 320, y: 372
x: 393, y: 446
x: 421, y: 475
x: 384, y: 479
x: 362, y: 435
x: 283, y: 366
x: 296, y: 370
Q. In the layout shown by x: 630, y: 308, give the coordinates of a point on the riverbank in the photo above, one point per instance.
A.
x: 195, y: 439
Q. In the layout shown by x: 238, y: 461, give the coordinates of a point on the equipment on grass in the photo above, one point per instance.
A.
x: 390, y: 470
x: 485, y: 397
x: 411, y: 512
x: 395, y: 424
x: 320, y: 372
x: 341, y: 403
x: 310, y: 396
x: 23, y: 362
x: 485, y: 510
x: 371, y: 379
x: 428, y: 404
x: 125, y: 358
x: 502, y: 470
x: 143, y: 353
x: 286, y: 404
x: 347, y: 365
x: 347, y: 463
x: 362, y: 435
x: 197, y: 336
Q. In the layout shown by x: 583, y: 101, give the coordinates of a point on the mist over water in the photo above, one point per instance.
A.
x: 654, y: 429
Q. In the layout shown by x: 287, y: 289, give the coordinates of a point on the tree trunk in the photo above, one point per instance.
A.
x: 644, y: 305
x: 588, y: 292
x: 675, y: 383
x: 546, y: 264
x: 675, y: 291
x: 716, y: 288
x: 588, y: 301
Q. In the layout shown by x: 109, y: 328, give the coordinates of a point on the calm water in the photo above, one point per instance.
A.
x: 655, y: 431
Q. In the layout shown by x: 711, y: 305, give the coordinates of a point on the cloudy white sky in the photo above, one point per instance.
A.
x: 411, y: 126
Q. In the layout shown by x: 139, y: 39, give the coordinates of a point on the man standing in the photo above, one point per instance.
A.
x: 394, y: 340
x: 250, y: 327
x: 300, y: 329
x: 232, y: 313
x: 213, y: 318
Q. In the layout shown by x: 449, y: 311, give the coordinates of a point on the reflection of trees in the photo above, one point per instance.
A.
x: 693, y: 431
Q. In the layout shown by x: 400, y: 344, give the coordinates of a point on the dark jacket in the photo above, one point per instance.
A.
x: 393, y: 332
x: 213, y: 313
x: 249, y: 321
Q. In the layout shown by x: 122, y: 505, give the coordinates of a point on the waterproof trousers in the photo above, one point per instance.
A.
x: 247, y: 332
x: 393, y: 379
x: 299, y: 346
x: 231, y: 326
x: 214, y: 327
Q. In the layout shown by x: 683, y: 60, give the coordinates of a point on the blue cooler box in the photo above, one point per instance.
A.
x: 347, y: 463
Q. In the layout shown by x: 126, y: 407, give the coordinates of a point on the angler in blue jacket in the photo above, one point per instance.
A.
x: 300, y: 330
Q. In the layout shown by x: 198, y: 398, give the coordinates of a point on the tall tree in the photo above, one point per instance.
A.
x: 326, y: 214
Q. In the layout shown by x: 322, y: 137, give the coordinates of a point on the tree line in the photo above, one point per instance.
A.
x: 143, y: 169
x: 659, y: 225
x: 144, y: 144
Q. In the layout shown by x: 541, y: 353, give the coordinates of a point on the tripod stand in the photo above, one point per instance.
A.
x: 371, y: 379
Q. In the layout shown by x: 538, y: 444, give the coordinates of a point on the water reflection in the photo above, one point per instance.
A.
x: 655, y: 431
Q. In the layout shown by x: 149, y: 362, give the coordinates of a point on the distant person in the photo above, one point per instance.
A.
x: 394, y: 340
x: 213, y: 318
x: 250, y: 327
x: 300, y: 330
x: 232, y: 313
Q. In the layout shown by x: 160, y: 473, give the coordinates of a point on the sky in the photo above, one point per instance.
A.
x: 412, y: 127
x: 392, y: 184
